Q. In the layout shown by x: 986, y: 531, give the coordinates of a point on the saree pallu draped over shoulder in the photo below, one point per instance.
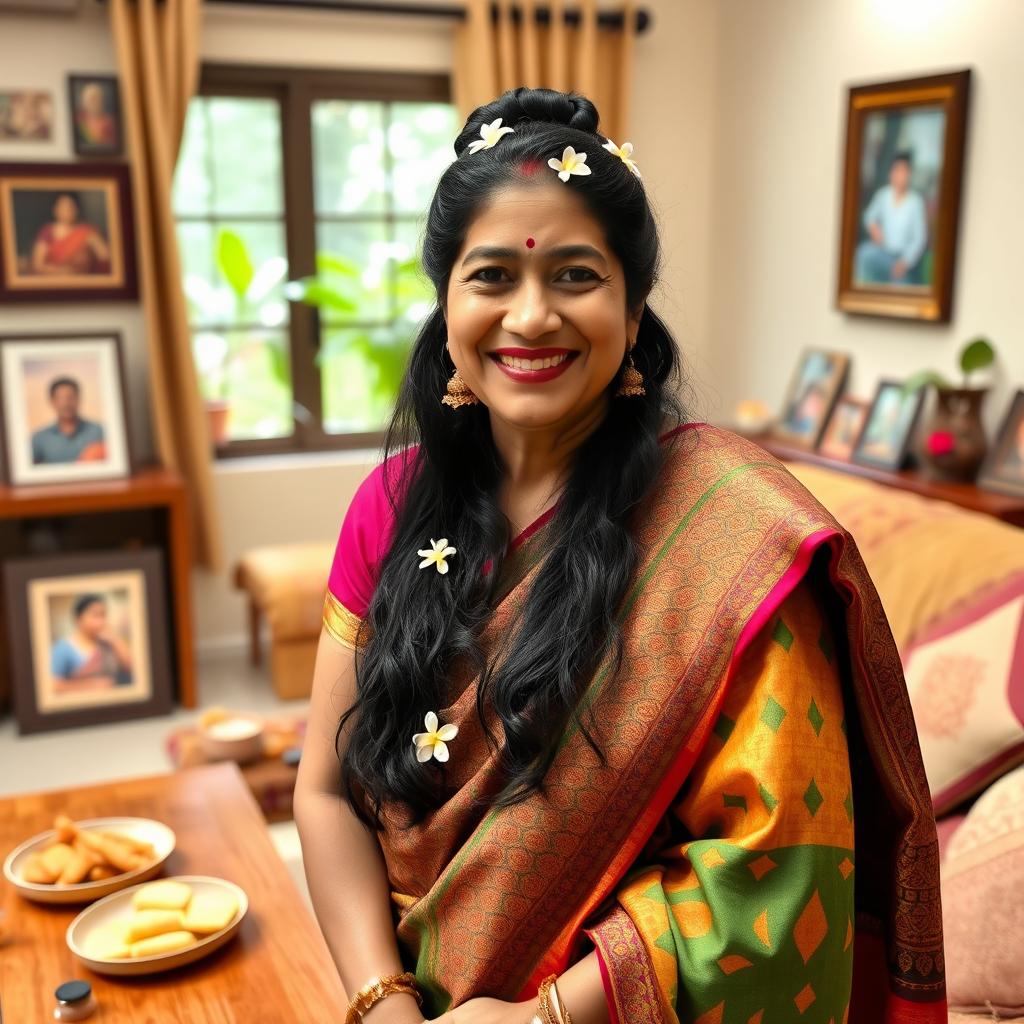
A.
x: 489, y: 902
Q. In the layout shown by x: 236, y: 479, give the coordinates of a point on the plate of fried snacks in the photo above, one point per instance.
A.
x: 157, y: 926
x: 78, y: 862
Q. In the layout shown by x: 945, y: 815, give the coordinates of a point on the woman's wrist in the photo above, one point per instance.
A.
x: 397, y: 1008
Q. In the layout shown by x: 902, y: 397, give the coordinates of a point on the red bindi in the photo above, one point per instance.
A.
x: 530, y: 243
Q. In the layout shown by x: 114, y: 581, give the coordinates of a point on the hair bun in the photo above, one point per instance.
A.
x: 545, y: 106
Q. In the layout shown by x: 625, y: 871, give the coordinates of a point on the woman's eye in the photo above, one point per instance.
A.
x: 489, y: 275
x: 577, y: 275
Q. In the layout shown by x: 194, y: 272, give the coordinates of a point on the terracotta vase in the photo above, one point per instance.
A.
x: 217, y: 414
x: 953, y: 442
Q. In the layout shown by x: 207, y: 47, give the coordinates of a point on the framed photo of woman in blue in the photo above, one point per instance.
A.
x: 94, y: 629
x: 901, y: 196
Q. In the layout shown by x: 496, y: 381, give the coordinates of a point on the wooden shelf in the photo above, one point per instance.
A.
x: 154, y: 488
x: 969, y: 496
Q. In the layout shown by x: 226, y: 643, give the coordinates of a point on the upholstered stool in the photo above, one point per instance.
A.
x: 286, y: 584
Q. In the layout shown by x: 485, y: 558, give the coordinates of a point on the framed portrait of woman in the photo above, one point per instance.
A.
x: 1003, y: 470
x: 95, y: 105
x: 816, y: 385
x: 66, y: 233
x: 844, y: 427
x: 901, y: 196
x: 63, y: 409
x: 889, y: 426
x: 94, y: 629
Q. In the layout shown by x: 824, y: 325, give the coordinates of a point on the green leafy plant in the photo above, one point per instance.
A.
x: 977, y: 354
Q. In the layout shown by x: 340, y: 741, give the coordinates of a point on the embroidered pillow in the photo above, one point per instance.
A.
x: 982, y: 903
x: 965, y: 676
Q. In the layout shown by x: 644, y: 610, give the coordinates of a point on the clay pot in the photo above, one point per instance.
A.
x: 953, y: 441
x: 217, y: 415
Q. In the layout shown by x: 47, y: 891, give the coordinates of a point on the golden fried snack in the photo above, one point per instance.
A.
x: 80, y: 863
x: 101, y: 872
x: 136, y: 846
x: 66, y: 829
x: 35, y: 870
x: 111, y: 852
x: 55, y: 858
x: 168, y: 942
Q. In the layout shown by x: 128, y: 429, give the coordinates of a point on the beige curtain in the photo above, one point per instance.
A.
x: 157, y: 44
x: 492, y: 56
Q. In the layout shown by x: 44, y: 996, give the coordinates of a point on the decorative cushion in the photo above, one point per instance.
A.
x: 983, y: 902
x: 965, y: 676
x: 927, y: 558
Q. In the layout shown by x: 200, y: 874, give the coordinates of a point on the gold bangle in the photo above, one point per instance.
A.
x: 544, y: 1010
x: 377, y: 989
x: 561, y: 1012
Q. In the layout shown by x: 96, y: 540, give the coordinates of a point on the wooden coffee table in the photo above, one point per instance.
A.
x: 276, y: 969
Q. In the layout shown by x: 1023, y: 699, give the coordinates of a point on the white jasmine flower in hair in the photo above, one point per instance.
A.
x: 624, y: 153
x: 571, y: 163
x: 432, y: 743
x: 489, y: 135
x: 436, y: 555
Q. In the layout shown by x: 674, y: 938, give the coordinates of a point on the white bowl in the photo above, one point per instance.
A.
x: 143, y: 829
x: 247, y: 746
x: 119, y: 906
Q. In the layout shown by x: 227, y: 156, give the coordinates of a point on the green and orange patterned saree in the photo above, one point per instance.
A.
x: 758, y: 846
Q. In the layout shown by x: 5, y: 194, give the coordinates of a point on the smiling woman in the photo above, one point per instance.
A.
x: 650, y: 666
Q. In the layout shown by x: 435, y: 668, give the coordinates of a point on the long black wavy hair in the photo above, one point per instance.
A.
x: 416, y: 632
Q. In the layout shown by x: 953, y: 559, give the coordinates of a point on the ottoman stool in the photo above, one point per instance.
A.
x: 286, y: 584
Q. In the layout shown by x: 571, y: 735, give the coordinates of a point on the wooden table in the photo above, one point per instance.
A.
x: 277, y: 969
x: 152, y: 488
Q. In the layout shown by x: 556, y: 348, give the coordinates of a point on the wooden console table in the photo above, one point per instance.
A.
x: 1000, y: 506
x: 153, y: 489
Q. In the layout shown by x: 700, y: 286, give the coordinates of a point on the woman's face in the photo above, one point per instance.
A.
x: 65, y: 210
x: 93, y: 619
x: 536, y: 308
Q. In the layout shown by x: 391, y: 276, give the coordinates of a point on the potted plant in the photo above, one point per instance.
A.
x: 954, y: 442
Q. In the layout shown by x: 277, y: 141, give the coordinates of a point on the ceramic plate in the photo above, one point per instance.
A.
x: 118, y: 906
x: 144, y: 829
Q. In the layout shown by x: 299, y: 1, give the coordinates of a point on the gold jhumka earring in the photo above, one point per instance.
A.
x: 458, y: 392
x: 632, y: 380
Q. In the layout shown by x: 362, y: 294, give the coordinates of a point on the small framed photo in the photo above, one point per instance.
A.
x: 95, y: 632
x: 95, y: 105
x: 889, y: 427
x: 844, y: 427
x: 26, y: 115
x: 1004, y: 466
x: 819, y: 379
x: 901, y: 196
x: 63, y: 411
x: 66, y: 233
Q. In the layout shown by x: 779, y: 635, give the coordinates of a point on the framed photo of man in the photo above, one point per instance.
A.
x: 1004, y: 466
x: 95, y: 105
x: 901, y: 196
x: 63, y: 411
x: 94, y: 630
x: 66, y: 233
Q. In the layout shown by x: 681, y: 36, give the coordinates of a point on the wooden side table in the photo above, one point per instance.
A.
x: 153, y: 489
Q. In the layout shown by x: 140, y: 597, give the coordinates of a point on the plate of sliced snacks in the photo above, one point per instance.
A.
x: 157, y: 926
x: 82, y: 861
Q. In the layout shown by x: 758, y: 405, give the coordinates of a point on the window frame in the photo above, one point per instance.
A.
x: 296, y: 90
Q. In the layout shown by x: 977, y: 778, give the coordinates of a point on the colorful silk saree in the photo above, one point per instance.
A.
x: 759, y: 845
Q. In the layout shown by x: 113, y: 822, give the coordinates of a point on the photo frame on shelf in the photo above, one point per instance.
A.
x: 843, y: 428
x: 885, y: 439
x: 63, y: 408
x: 901, y: 196
x: 817, y: 382
x: 66, y: 233
x: 94, y: 106
x: 26, y: 115
x: 1003, y: 469
x: 95, y: 633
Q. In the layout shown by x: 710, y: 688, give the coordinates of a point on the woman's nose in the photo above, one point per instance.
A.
x: 531, y: 313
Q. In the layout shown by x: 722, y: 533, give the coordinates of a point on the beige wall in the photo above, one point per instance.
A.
x: 779, y: 99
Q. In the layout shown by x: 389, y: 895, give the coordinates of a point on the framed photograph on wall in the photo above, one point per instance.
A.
x: 92, y: 632
x: 889, y: 427
x: 1004, y: 466
x: 95, y: 105
x: 818, y: 381
x: 844, y: 427
x: 66, y: 233
x: 26, y: 115
x: 63, y: 410
x: 901, y: 196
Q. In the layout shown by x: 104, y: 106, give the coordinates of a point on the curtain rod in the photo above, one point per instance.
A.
x: 606, y: 19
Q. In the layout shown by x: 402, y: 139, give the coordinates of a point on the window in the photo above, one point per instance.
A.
x: 299, y: 199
